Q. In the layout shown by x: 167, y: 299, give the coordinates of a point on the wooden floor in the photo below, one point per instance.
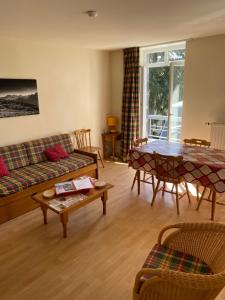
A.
x: 101, y: 256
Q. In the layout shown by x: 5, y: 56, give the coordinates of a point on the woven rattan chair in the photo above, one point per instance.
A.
x: 202, y: 243
x: 167, y: 171
x: 137, y: 177
x: 83, y: 141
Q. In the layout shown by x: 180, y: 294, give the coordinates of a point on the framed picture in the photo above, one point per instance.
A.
x: 18, y: 97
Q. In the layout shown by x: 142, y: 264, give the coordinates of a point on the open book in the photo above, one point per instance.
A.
x: 73, y: 186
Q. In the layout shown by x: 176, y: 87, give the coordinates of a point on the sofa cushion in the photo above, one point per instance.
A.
x: 51, y: 154
x: 161, y: 256
x: 3, y: 168
x: 75, y: 161
x: 14, y: 156
x: 22, y: 178
x: 61, y: 151
x: 35, y: 149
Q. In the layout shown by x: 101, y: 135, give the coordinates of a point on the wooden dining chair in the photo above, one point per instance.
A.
x: 167, y: 171
x: 137, y: 177
x: 197, y: 142
x: 204, y: 144
x: 83, y: 141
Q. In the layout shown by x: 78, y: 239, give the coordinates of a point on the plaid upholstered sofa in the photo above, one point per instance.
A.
x: 30, y: 172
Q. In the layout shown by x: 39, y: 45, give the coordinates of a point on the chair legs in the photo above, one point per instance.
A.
x: 178, y: 196
x: 177, y: 199
x: 100, y: 157
x: 187, y: 190
x: 201, y: 198
x: 155, y: 192
x: 211, y: 194
x: 137, y: 177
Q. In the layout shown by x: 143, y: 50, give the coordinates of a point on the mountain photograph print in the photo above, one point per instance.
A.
x: 18, y: 97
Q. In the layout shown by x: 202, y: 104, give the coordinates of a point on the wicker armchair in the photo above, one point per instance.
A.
x: 205, y: 241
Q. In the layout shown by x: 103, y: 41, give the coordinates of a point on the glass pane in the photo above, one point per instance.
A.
x: 177, y: 55
x: 158, y: 102
x: 177, y: 103
x: 156, y: 57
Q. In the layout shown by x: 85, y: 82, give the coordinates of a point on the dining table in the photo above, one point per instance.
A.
x: 200, y: 165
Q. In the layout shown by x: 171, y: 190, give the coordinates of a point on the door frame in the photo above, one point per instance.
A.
x: 171, y: 81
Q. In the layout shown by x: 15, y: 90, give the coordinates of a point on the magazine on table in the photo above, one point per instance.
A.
x: 73, y: 186
x: 64, y: 202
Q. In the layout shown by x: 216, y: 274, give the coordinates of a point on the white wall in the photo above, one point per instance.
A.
x: 74, y: 88
x: 204, y: 86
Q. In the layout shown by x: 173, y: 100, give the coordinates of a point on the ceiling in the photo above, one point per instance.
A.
x: 120, y: 24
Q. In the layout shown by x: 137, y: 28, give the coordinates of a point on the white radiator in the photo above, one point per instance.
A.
x: 217, y: 136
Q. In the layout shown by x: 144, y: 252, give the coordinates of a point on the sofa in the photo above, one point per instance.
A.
x: 30, y: 172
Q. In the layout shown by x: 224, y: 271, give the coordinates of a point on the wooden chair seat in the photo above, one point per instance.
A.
x: 91, y: 149
x: 83, y: 141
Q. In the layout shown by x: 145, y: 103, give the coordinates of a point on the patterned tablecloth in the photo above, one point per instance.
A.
x: 203, y: 166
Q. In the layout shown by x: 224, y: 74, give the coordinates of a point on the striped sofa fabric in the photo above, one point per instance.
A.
x: 15, y: 156
x: 27, y: 176
x: 35, y: 149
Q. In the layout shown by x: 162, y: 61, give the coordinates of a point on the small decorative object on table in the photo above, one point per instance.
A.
x: 100, y: 184
x: 48, y: 194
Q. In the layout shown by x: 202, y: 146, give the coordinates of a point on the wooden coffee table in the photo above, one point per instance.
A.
x: 92, y: 195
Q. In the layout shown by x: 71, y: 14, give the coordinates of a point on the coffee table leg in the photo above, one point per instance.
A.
x: 44, y: 211
x: 64, y: 221
x: 104, y: 198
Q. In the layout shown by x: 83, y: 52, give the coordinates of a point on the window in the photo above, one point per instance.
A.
x: 163, y: 80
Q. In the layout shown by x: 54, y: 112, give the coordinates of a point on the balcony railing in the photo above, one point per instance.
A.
x: 157, y: 127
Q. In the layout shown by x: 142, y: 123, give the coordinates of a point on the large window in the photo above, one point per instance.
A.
x: 163, y: 81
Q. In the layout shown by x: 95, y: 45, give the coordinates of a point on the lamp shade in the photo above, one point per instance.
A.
x: 111, y: 121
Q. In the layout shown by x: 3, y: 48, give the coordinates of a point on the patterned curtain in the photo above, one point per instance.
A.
x: 130, y: 106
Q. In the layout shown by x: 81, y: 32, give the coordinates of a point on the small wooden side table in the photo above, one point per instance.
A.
x: 110, y: 137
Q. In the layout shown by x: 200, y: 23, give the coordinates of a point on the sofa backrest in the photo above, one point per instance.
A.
x: 35, y: 149
x: 14, y: 156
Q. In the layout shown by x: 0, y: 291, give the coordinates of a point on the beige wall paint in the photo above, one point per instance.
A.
x: 204, y: 86
x: 74, y: 88
x: 117, y: 83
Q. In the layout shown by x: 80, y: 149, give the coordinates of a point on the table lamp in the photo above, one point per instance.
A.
x: 112, y: 123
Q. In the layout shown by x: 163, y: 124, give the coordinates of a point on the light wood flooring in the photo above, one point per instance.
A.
x: 102, y: 254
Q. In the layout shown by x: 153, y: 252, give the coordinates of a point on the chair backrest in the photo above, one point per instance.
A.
x: 167, y: 167
x: 139, y: 142
x: 83, y: 138
x: 197, y: 142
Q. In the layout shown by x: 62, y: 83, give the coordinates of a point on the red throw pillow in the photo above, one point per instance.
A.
x: 51, y: 154
x: 3, y: 168
x: 61, y: 151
